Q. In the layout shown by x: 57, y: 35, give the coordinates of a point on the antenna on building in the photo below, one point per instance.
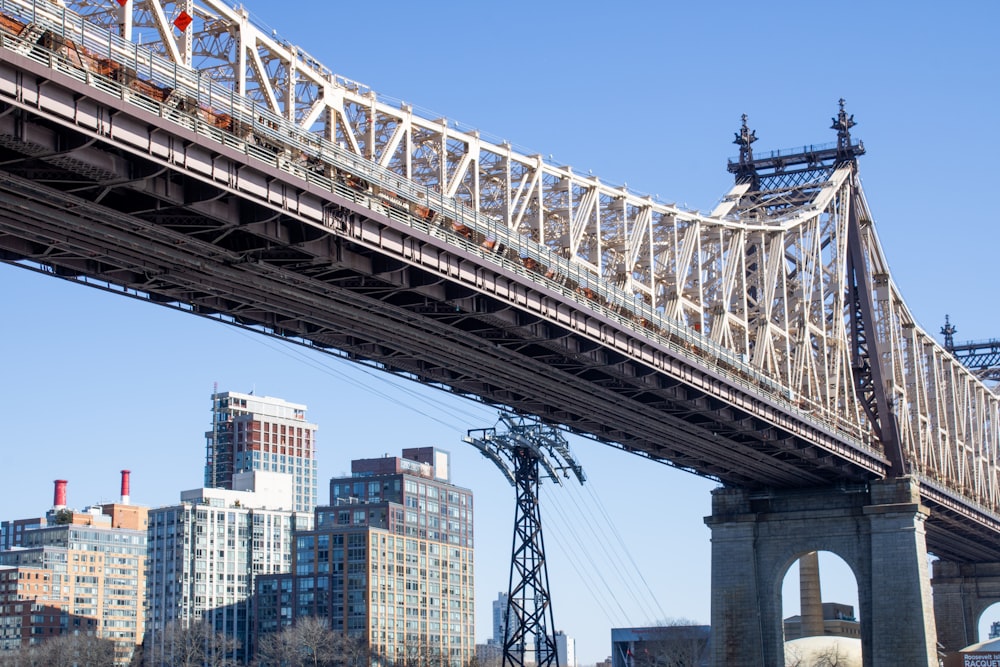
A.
x: 519, y: 452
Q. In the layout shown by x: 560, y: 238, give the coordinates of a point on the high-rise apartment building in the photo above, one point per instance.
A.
x: 205, y: 552
x: 76, y: 573
x: 32, y: 608
x: 261, y: 433
x: 390, y: 561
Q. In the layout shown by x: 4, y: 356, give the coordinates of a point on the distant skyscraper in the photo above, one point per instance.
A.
x: 261, y: 433
x: 492, y: 650
x: 499, y: 619
x: 490, y: 654
x: 565, y: 649
x: 390, y: 561
x: 205, y: 553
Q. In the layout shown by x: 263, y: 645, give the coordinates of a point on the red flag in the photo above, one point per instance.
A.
x: 182, y: 21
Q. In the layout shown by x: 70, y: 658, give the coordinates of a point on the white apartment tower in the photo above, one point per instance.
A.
x: 261, y: 433
x: 205, y: 553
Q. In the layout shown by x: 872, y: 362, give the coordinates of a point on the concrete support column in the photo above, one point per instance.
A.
x: 903, y: 630
x: 962, y: 592
x: 877, y: 530
x: 738, y: 609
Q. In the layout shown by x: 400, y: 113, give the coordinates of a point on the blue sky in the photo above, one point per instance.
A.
x: 647, y: 94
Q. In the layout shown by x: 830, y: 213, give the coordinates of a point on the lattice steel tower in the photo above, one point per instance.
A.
x: 526, y: 447
x: 981, y: 357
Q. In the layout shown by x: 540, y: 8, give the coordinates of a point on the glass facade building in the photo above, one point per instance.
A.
x: 390, y: 560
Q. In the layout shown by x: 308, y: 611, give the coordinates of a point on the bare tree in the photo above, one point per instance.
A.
x: 793, y: 656
x: 316, y: 640
x: 14, y: 658
x: 77, y: 650
x: 351, y: 651
x: 96, y: 652
x: 58, y: 650
x: 21, y: 657
x: 414, y: 657
x: 278, y: 649
x: 311, y: 643
x: 680, y: 644
x: 833, y: 656
x: 192, y: 645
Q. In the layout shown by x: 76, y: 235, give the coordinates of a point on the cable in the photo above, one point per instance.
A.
x: 292, y: 349
x: 625, y: 550
x: 602, y: 601
x: 602, y: 545
x: 599, y: 520
x: 578, y: 547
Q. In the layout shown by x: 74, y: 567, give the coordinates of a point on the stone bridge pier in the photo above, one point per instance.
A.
x: 877, y: 529
x: 962, y: 592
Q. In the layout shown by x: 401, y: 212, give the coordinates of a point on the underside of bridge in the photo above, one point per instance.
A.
x: 82, y: 207
x: 86, y: 209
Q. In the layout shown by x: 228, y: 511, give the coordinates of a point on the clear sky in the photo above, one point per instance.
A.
x: 648, y: 94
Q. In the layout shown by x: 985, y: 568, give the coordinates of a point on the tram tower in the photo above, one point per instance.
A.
x: 522, y: 452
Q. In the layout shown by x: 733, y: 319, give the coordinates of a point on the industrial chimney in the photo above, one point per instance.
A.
x: 125, y: 486
x: 59, y: 499
x: 810, y: 596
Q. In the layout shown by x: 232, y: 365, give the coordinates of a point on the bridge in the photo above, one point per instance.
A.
x: 221, y: 171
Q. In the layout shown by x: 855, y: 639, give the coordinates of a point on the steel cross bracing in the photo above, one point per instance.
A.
x: 522, y: 452
x: 529, y: 607
x: 733, y: 329
x: 982, y: 357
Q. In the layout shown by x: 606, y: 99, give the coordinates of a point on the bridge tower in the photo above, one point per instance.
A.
x: 980, y: 357
x: 964, y: 590
x: 878, y: 527
x: 520, y: 452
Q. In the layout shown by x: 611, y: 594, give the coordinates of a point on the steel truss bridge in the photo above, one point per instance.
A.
x: 225, y: 172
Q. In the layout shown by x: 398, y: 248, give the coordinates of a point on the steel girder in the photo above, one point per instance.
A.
x: 763, y: 277
x: 186, y: 222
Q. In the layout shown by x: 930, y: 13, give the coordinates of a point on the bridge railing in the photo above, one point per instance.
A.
x: 193, y: 100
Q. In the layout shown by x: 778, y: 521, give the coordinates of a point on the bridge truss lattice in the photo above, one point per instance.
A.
x: 764, y: 276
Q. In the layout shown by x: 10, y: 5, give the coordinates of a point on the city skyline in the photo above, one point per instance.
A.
x: 493, y: 532
x: 655, y: 105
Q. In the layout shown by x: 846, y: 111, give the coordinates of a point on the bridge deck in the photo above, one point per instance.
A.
x: 105, y: 183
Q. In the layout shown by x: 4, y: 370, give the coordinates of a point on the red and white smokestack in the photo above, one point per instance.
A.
x: 59, y: 498
x: 125, y: 486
